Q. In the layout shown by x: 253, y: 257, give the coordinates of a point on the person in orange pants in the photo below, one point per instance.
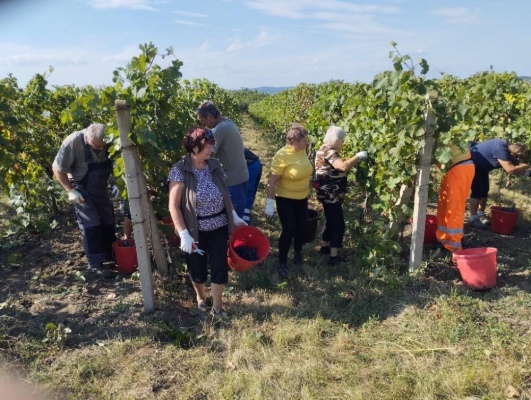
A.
x: 453, y: 195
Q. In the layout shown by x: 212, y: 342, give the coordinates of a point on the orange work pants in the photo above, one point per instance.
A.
x: 453, y: 195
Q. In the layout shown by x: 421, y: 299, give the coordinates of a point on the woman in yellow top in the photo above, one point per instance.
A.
x: 289, y: 187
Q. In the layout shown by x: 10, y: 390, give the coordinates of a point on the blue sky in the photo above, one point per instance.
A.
x: 252, y: 43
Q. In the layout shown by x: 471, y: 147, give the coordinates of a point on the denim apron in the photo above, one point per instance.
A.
x: 95, y: 216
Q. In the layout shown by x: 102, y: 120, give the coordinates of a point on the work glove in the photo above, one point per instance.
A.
x: 270, y: 207
x: 237, y: 220
x: 187, y: 242
x: 75, y: 197
x: 115, y: 193
x: 362, y: 155
x: 527, y: 173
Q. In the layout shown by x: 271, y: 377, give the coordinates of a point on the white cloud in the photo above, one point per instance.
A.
x: 144, y: 5
x: 262, y: 39
x: 191, y: 23
x: 190, y: 14
x: 458, y: 15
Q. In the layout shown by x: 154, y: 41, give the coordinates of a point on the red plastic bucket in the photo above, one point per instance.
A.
x: 430, y: 228
x: 503, y: 220
x: 250, y: 237
x: 167, y: 227
x: 124, y: 252
x: 477, y: 266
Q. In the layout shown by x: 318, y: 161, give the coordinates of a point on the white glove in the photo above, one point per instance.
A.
x: 528, y: 173
x: 75, y: 197
x: 115, y: 193
x: 362, y: 155
x: 187, y: 242
x: 270, y: 207
x: 237, y: 220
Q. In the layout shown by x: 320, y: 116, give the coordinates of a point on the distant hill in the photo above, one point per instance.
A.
x: 525, y: 78
x: 270, y: 89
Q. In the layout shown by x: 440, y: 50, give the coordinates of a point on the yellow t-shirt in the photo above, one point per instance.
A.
x: 295, y: 171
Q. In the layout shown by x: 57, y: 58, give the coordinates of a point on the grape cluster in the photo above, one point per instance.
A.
x: 247, y: 253
x: 127, y: 243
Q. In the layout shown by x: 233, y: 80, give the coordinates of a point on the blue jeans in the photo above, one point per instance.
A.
x: 238, y: 195
x: 255, y: 173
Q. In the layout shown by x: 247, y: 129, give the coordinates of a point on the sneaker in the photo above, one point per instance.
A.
x: 283, y: 271
x: 324, y: 250
x: 297, y: 258
x: 333, y: 261
x: 478, y: 224
x: 102, y: 271
x: 485, y: 219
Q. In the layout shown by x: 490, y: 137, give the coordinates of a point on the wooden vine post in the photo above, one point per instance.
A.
x: 421, y: 191
x: 135, y: 192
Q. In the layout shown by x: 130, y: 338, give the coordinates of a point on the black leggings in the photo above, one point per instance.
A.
x: 292, y: 214
x: 214, y: 243
x: 334, y: 225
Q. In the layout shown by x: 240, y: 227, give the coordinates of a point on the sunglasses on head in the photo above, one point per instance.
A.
x: 208, y: 134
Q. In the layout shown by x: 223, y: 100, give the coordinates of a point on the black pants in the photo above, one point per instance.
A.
x: 292, y: 214
x: 334, y: 224
x: 214, y: 243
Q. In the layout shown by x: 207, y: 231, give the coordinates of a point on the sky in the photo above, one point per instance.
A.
x: 253, y: 43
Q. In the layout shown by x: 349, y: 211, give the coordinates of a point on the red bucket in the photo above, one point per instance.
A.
x: 250, y: 237
x: 167, y: 227
x: 430, y: 228
x: 124, y: 252
x: 477, y: 266
x: 503, y: 220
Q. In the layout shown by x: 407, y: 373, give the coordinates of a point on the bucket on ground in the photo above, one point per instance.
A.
x: 168, y: 229
x: 124, y: 253
x: 430, y: 228
x: 311, y: 226
x: 477, y: 267
x: 249, y: 240
x: 503, y: 219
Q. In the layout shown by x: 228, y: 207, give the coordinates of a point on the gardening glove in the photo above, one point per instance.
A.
x: 115, y: 193
x: 527, y: 173
x: 187, y: 242
x: 237, y: 220
x: 362, y: 155
x: 75, y: 197
x: 270, y: 207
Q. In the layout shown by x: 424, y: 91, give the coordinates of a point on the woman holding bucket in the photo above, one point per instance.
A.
x: 331, y: 173
x: 203, y: 215
x: 289, y: 187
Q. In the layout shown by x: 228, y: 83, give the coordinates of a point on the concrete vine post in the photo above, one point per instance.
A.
x: 135, y: 192
x: 421, y: 192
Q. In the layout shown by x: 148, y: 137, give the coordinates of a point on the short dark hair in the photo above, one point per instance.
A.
x: 207, y: 107
x: 198, y: 137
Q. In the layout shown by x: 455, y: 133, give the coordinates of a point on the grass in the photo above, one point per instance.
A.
x: 340, y: 333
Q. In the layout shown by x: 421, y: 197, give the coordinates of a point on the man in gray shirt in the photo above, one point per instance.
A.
x: 229, y: 151
x: 83, y: 168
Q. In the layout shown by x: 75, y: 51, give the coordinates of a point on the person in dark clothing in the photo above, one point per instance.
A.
x: 254, y: 166
x: 83, y: 168
x: 487, y: 156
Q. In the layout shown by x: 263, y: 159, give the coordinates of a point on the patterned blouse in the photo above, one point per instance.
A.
x: 210, y: 208
x: 333, y: 182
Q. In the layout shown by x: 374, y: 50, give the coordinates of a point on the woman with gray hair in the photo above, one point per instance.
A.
x: 331, y: 172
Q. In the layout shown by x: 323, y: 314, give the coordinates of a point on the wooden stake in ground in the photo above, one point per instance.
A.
x: 421, y: 194
x: 135, y: 192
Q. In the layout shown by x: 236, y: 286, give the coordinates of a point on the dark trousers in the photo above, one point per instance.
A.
x: 334, y: 225
x: 214, y: 243
x: 292, y: 214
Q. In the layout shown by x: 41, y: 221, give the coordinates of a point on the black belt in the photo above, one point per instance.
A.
x: 467, y: 161
x: 202, y: 217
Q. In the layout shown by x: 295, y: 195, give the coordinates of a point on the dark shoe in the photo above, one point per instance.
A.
x: 102, y: 272
x: 478, y: 224
x: 333, y: 261
x: 283, y: 271
x: 485, y: 219
x: 324, y: 250
x: 297, y: 259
